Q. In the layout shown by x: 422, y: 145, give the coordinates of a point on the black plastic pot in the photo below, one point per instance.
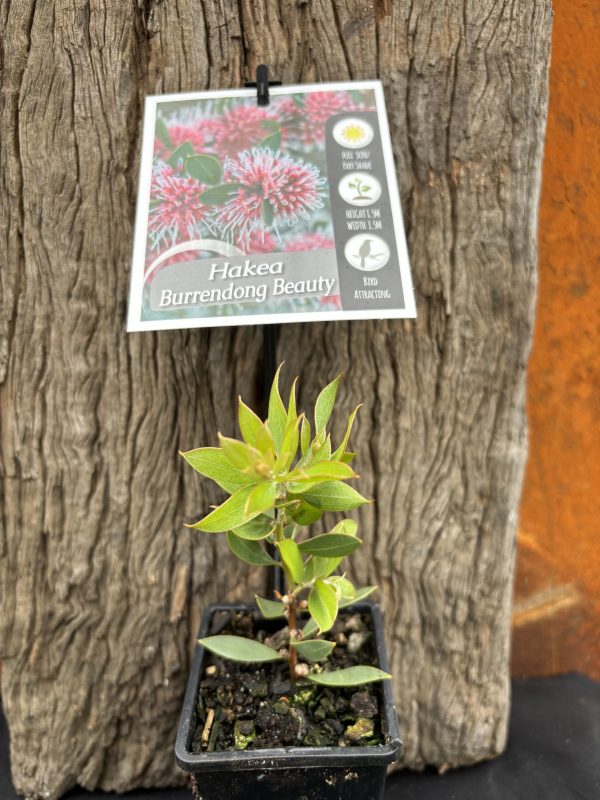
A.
x: 289, y: 773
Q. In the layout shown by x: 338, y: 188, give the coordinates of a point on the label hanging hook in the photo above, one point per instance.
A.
x: 262, y: 84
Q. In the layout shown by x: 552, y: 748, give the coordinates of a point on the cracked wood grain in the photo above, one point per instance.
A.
x: 100, y: 585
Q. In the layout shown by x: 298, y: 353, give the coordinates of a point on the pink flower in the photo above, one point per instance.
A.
x: 260, y: 241
x: 272, y: 186
x: 192, y: 133
x: 175, y: 208
x: 240, y: 128
x: 332, y: 303
x: 310, y: 241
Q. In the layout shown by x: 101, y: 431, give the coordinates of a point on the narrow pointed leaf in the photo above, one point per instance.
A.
x: 292, y: 558
x: 305, y: 436
x: 250, y: 424
x: 361, y: 594
x: 351, y: 676
x: 330, y: 545
x: 238, y: 648
x: 211, y: 462
x: 230, y: 514
x: 310, y: 628
x: 277, y: 412
x: 325, y: 470
x: 291, y: 411
x: 323, y: 605
x: 249, y: 551
x: 239, y: 454
x: 337, y: 455
x: 270, y: 609
x: 334, y: 496
x: 289, y: 446
x: 324, y: 404
x: 315, y: 650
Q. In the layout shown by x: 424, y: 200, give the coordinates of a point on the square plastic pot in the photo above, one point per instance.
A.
x: 289, y: 773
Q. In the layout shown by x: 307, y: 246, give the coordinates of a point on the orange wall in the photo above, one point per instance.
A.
x: 556, y: 621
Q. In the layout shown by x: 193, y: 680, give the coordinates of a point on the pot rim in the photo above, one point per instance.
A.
x: 291, y: 756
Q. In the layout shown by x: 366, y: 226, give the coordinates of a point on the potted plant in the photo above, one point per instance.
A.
x: 289, y: 698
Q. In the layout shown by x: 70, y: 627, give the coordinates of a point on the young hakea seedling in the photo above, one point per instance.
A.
x: 281, y: 479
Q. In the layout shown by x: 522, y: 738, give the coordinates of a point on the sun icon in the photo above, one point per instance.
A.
x: 353, y: 132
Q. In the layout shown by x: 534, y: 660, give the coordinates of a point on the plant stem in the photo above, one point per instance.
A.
x: 293, y: 656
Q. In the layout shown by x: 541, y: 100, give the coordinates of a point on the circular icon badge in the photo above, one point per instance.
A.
x: 353, y: 132
x: 367, y: 252
x: 359, y: 189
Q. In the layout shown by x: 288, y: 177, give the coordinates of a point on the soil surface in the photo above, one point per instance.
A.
x: 254, y: 706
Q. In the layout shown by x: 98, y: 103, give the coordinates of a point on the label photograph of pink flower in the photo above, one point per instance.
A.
x: 239, y: 215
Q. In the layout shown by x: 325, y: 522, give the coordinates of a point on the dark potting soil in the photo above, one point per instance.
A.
x: 254, y: 706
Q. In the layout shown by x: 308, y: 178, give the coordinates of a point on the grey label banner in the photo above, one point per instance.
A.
x: 368, y: 287
x: 258, y: 279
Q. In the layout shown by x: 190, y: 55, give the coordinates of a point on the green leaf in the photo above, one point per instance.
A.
x: 344, y: 588
x: 289, y: 446
x: 230, y: 514
x: 360, y: 595
x: 258, y: 528
x: 270, y: 609
x: 324, y: 404
x: 249, y: 551
x: 330, y: 545
x: 348, y: 457
x: 277, y: 413
x: 205, y: 168
x: 291, y: 558
x: 334, y: 496
x: 270, y: 124
x: 351, y: 676
x: 251, y: 425
x: 239, y: 454
x: 348, y: 526
x: 260, y: 499
x: 320, y: 567
x: 321, y: 452
x: 267, y: 212
x: 238, y: 648
x: 162, y: 132
x: 323, y: 605
x: 212, y: 463
x: 291, y: 411
x: 310, y: 628
x: 217, y: 195
x: 305, y: 436
x: 180, y: 154
x: 273, y: 141
x: 306, y: 514
x: 315, y: 650
x: 304, y: 478
x: 337, y: 455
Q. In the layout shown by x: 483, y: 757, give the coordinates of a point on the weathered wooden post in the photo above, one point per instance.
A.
x: 100, y: 584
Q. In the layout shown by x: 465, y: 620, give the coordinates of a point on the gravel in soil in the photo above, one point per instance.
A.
x: 254, y: 706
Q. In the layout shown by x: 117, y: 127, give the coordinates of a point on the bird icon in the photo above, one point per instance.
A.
x: 364, y: 252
